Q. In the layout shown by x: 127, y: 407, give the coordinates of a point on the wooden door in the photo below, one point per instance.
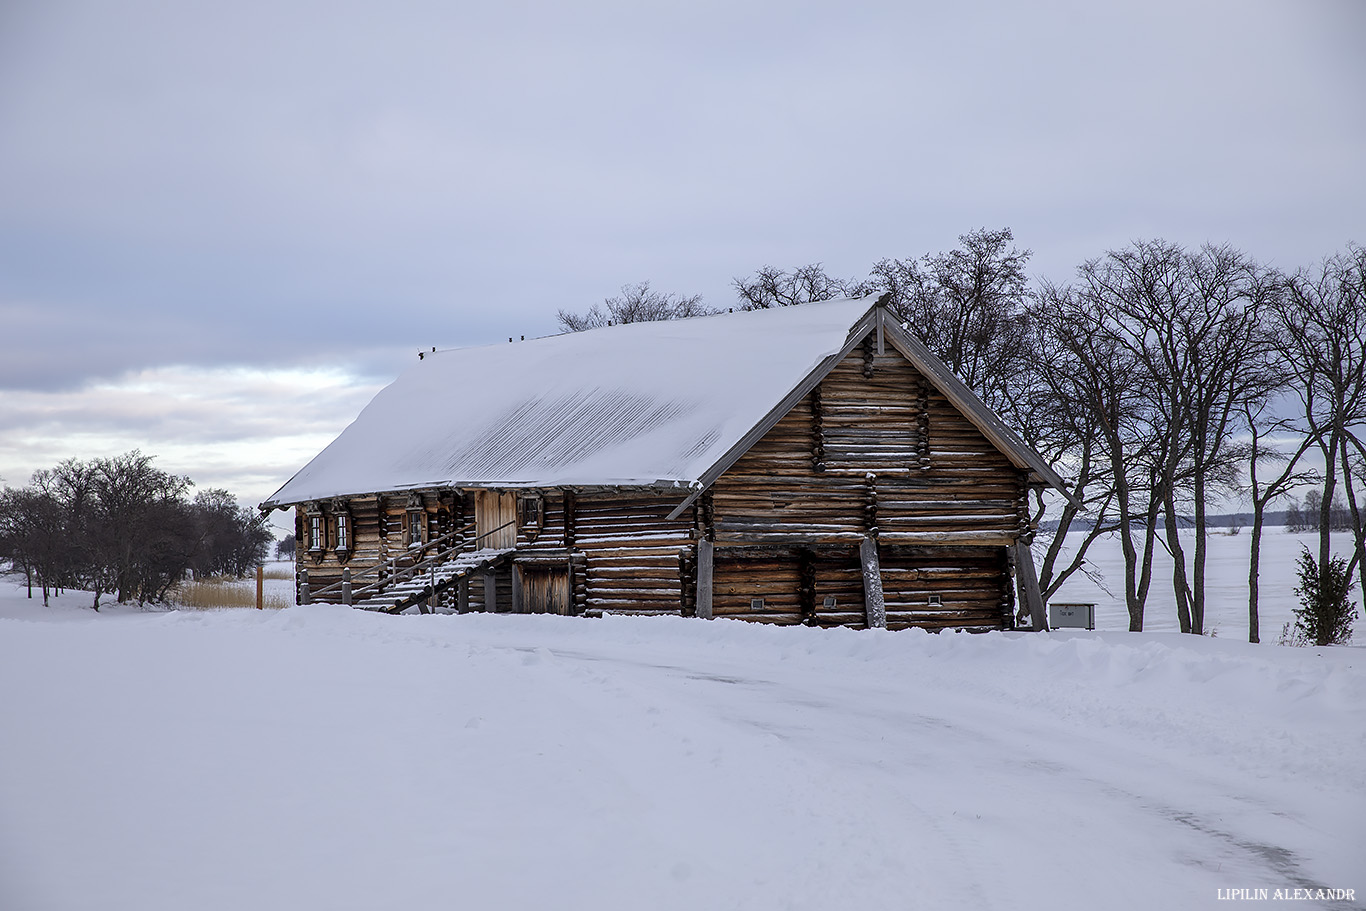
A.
x: 495, y: 519
x: 545, y: 589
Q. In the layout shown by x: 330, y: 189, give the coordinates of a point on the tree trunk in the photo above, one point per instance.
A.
x: 1180, y: 586
x: 1201, y: 552
x: 1254, y: 571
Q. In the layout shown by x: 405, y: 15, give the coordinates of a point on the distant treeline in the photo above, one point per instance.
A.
x: 120, y: 526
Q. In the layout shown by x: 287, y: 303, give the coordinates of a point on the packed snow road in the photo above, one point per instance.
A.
x: 325, y: 758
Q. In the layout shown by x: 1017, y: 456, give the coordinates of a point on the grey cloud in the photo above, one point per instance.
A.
x: 294, y: 184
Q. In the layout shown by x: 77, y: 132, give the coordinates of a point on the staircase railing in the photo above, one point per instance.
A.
x: 397, y: 574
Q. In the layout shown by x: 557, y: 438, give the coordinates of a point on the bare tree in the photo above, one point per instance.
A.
x: 1183, y: 326
x: 637, y: 303
x: 1099, y: 375
x: 771, y: 287
x: 1260, y: 427
x: 970, y: 307
x: 1068, y: 403
x: 1321, y: 331
x: 232, y: 540
x: 33, y: 539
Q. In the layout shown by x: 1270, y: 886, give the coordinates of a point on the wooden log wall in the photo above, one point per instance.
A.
x: 873, y: 450
x: 935, y: 477
x: 631, y: 551
x: 973, y: 585
x: 325, y: 569
x: 744, y: 575
x: 825, y: 587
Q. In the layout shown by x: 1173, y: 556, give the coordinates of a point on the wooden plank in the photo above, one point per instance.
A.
x: 705, y: 564
x: 490, y: 591
x: 874, y: 607
x: 1028, y: 582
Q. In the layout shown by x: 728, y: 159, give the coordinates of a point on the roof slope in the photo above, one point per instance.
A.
x: 641, y: 404
x: 669, y: 404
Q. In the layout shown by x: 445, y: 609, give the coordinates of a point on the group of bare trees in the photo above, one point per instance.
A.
x: 121, y: 526
x: 1161, y: 379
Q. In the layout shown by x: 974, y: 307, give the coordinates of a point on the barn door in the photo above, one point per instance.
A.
x: 495, y: 519
x: 545, y: 589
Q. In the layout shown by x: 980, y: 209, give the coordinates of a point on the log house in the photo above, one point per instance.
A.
x: 812, y: 465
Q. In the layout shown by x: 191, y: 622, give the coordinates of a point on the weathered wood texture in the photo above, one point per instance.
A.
x: 631, y: 551
x: 936, y: 479
x: 971, y: 584
x: 873, y: 450
x: 875, y: 603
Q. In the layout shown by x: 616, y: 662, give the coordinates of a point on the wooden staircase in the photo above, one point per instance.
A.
x: 419, y: 576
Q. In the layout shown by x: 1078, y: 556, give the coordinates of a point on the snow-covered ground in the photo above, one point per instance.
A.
x: 319, y: 757
x: 1227, y: 608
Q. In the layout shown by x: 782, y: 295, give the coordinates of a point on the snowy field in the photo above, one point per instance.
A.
x: 324, y: 758
x: 1226, y: 583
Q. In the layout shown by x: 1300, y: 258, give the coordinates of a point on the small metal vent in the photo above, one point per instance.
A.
x: 936, y: 601
x: 829, y: 602
x: 756, y: 603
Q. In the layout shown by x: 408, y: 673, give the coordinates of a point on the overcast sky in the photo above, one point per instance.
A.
x: 222, y: 229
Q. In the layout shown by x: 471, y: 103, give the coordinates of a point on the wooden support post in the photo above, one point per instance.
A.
x: 1028, y: 583
x: 260, y: 587
x: 875, y: 609
x: 346, y: 585
x: 462, y: 595
x: 516, y: 589
x: 705, y: 557
x: 490, y: 591
x: 303, y: 587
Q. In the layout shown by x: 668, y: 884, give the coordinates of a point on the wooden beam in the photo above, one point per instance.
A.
x: 462, y: 595
x: 874, y: 608
x: 516, y: 589
x: 490, y: 592
x: 1028, y: 583
x: 705, y: 556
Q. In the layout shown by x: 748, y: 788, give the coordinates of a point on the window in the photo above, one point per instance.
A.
x: 531, y: 516
x: 343, y: 531
x: 315, y: 532
x: 416, y: 519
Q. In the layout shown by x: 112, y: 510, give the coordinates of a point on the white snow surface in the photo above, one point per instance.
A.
x: 642, y: 403
x: 319, y: 757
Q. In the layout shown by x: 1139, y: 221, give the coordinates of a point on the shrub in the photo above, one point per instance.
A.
x: 1324, y: 616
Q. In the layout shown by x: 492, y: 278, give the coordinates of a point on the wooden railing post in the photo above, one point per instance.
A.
x: 346, y: 585
x: 303, y: 586
x: 260, y: 587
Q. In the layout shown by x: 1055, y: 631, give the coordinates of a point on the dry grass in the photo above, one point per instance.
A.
x: 208, y: 594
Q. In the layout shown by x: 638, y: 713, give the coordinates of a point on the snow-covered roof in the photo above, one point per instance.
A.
x: 660, y: 404
x: 639, y: 404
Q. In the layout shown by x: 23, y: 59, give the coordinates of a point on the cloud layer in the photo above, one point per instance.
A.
x: 320, y: 187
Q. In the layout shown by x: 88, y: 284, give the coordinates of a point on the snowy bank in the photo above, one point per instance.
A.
x: 327, y: 758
